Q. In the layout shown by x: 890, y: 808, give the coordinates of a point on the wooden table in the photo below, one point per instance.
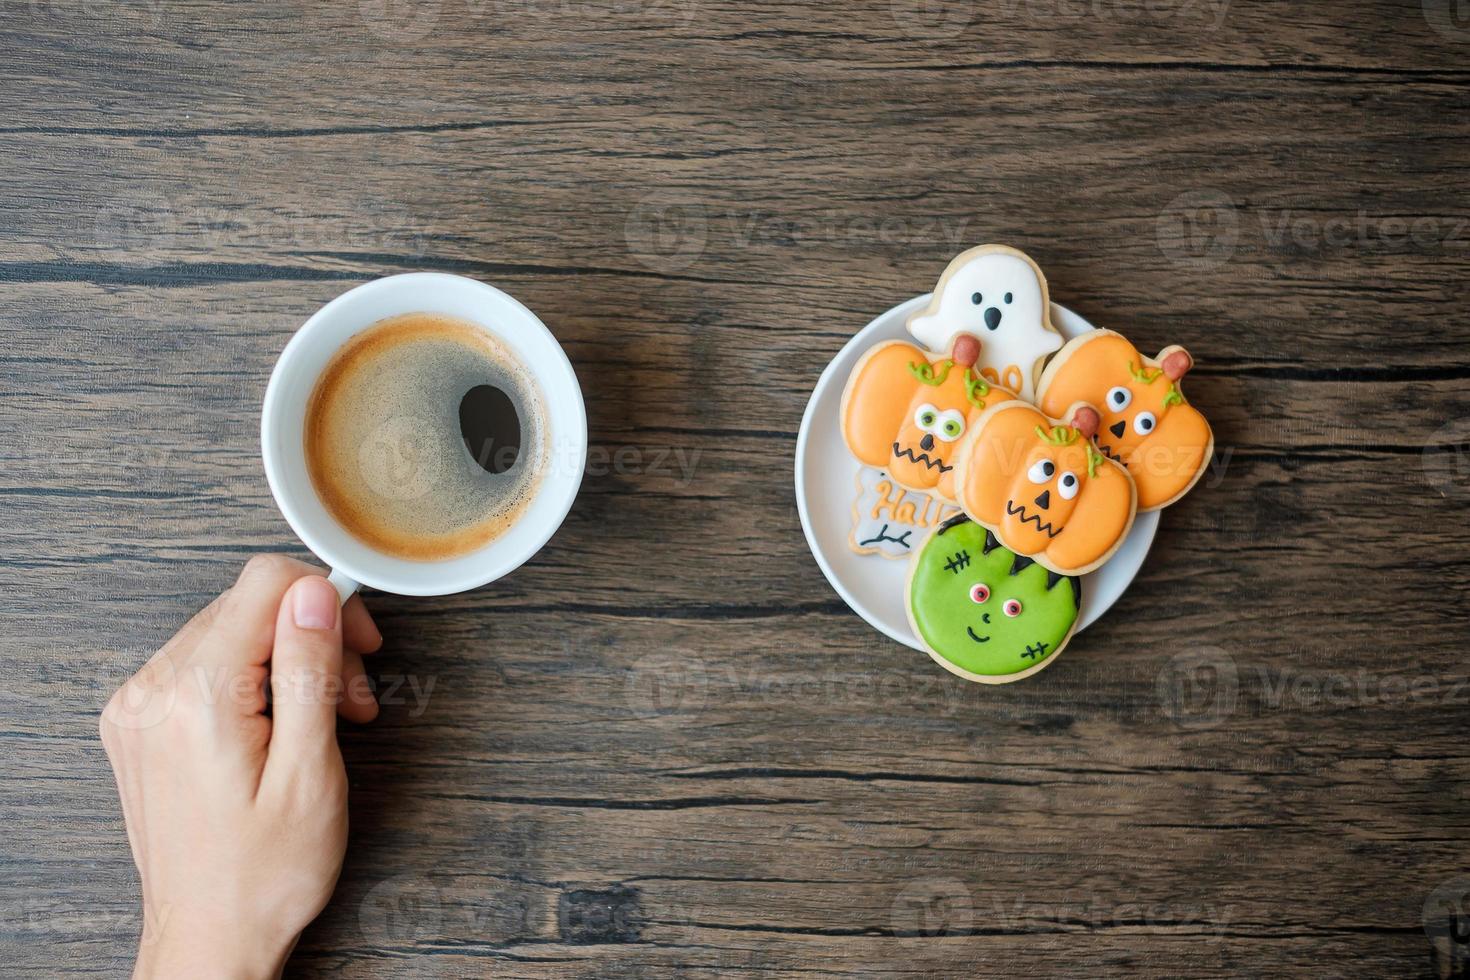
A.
x: 665, y: 747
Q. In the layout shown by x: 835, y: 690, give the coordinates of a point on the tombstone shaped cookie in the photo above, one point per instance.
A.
x: 1146, y: 424
x: 905, y: 410
x: 997, y: 294
x: 1040, y: 484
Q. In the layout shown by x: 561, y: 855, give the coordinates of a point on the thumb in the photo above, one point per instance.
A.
x: 306, y: 671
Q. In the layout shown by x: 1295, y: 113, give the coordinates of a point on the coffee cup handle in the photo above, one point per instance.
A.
x: 345, y: 586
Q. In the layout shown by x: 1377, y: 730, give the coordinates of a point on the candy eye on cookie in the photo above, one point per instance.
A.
x: 947, y: 425
x: 1044, y: 471
x: 950, y: 425
x: 979, y: 593
x: 1041, y: 471
x: 1131, y: 413
x: 1068, y: 485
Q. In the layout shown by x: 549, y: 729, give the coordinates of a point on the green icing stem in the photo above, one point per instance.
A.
x: 975, y: 388
x: 1094, y: 460
x: 1147, y: 375
x: 925, y: 372
x: 1058, y: 435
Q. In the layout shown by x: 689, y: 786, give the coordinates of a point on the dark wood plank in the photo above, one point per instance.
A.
x: 664, y: 747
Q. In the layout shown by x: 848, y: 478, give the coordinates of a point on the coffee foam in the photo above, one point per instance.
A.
x: 383, y: 442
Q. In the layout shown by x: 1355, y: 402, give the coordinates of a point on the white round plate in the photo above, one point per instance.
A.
x: 825, y: 488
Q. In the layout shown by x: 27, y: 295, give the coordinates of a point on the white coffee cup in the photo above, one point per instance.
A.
x: 283, y: 419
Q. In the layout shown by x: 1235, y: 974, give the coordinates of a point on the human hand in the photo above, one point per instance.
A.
x: 237, y: 820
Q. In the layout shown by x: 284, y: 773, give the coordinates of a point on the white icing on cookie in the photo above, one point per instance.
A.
x: 890, y: 520
x: 996, y: 293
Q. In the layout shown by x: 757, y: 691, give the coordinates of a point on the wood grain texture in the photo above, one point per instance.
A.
x: 664, y: 747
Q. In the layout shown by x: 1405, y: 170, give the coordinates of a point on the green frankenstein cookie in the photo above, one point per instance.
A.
x: 984, y: 612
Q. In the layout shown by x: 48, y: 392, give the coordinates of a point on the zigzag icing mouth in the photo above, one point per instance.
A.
x: 1014, y: 509
x: 1108, y: 451
x: 924, y: 458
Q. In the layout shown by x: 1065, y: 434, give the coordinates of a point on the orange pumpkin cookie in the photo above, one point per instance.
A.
x: 905, y: 410
x: 1043, y: 488
x: 1146, y: 424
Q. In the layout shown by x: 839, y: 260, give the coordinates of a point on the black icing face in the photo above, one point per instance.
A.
x: 992, y: 315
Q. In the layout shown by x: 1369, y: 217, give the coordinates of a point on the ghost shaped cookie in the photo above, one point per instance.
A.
x: 998, y: 295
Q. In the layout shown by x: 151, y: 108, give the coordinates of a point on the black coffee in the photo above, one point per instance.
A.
x: 491, y: 427
x: 425, y: 437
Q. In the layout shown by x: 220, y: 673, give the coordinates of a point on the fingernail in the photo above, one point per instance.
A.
x: 314, y: 603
